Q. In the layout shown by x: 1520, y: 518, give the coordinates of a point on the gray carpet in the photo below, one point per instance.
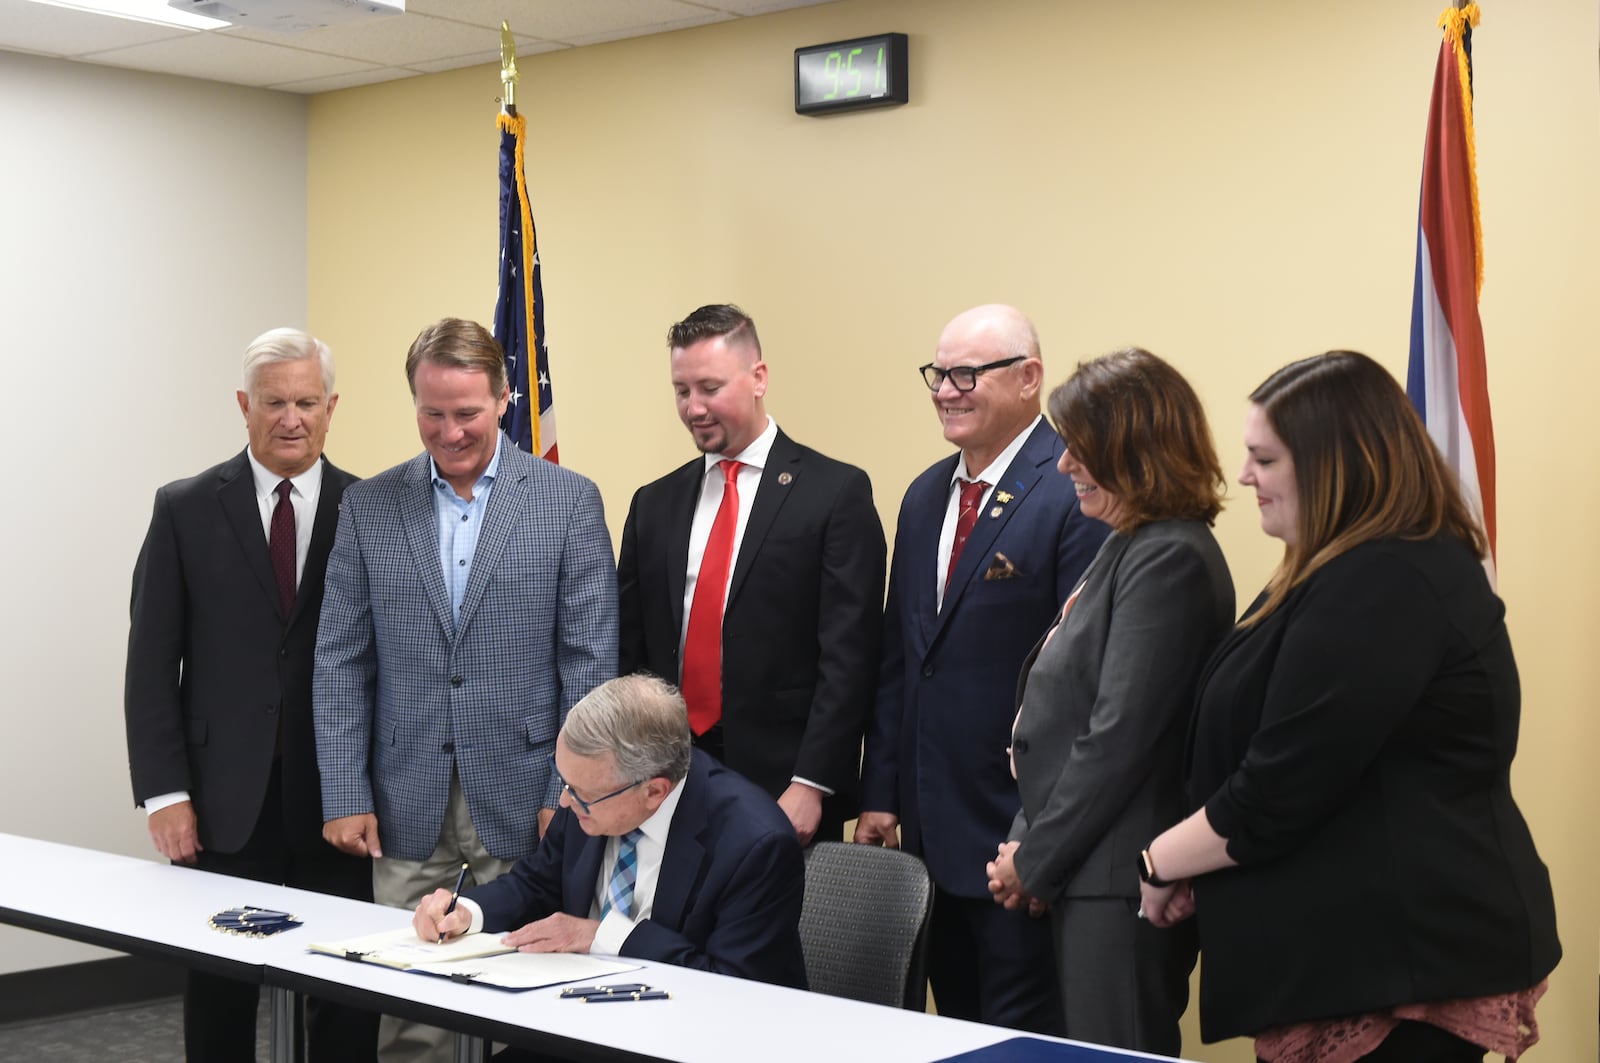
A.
x: 145, y: 1033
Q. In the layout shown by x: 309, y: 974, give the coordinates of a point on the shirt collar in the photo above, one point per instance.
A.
x: 307, y: 483
x: 998, y: 467
x: 488, y: 473
x: 755, y: 455
x: 659, y: 824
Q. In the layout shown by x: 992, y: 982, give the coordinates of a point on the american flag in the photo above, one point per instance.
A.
x: 530, y: 418
x: 1448, y: 378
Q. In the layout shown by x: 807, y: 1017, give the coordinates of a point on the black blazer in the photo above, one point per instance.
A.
x: 1355, y: 749
x: 213, y: 662
x: 802, y: 623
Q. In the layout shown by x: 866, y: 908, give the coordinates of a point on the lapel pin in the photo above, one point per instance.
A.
x: 995, y: 512
x: 785, y: 479
x: 1003, y: 497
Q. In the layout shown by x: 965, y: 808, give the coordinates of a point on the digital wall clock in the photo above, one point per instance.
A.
x: 850, y: 75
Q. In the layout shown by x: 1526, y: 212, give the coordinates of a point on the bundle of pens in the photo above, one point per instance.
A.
x: 601, y: 994
x: 253, y: 922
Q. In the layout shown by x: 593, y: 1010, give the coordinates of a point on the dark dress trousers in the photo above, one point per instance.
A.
x: 728, y: 897
x: 1354, y: 748
x: 218, y: 703
x: 1099, y: 742
x: 936, y: 745
x: 801, y: 626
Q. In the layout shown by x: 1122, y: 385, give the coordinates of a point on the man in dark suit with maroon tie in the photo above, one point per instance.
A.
x: 753, y: 576
x: 227, y: 593
x: 990, y: 543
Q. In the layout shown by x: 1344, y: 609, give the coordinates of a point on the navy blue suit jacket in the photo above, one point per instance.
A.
x: 936, y: 748
x: 729, y: 895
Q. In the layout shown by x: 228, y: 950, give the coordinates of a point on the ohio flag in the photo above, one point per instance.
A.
x: 1448, y: 380
x: 530, y: 418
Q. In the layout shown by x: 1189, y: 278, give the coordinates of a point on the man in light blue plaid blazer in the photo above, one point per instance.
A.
x: 471, y: 602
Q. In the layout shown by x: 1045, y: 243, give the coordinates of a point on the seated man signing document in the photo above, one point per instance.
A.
x: 658, y: 853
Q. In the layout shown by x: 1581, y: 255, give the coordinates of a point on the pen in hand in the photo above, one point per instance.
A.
x: 455, y: 895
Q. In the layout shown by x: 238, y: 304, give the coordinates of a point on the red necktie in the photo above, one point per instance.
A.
x: 702, y: 644
x: 280, y: 545
x: 971, y: 494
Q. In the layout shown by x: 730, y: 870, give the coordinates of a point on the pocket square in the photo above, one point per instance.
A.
x: 1000, y: 568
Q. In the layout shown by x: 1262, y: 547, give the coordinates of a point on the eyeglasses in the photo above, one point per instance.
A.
x: 588, y: 806
x: 963, y: 377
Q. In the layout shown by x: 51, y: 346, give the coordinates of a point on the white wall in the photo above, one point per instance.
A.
x: 150, y: 226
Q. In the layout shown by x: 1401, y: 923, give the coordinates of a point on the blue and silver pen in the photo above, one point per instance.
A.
x: 651, y: 994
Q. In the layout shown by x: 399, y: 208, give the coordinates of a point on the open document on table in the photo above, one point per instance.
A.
x: 403, y: 949
x: 478, y: 958
x: 527, y: 970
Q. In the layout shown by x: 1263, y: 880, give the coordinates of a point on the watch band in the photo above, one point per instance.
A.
x: 1147, y: 871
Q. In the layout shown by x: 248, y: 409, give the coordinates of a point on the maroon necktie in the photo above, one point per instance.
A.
x: 280, y: 545
x: 702, y: 644
x: 971, y: 494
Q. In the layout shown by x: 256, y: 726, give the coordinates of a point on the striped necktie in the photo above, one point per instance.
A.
x: 619, y: 891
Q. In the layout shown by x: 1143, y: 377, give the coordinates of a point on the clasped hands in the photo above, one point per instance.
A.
x: 1167, y: 905
x: 1163, y: 906
x: 1006, y: 886
x: 554, y: 933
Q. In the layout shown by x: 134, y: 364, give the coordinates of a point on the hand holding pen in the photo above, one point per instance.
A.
x: 437, y: 918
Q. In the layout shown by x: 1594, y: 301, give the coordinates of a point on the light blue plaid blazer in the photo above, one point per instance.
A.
x: 402, y: 695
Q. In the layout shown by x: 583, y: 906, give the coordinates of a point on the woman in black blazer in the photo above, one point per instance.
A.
x: 1097, y: 747
x: 1365, y: 886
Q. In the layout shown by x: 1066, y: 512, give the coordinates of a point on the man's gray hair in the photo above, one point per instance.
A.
x: 286, y: 345
x: 640, y: 720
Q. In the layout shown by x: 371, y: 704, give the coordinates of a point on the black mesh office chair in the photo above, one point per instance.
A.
x: 864, y: 927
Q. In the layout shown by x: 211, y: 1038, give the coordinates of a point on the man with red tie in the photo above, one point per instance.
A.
x: 990, y: 543
x: 753, y: 576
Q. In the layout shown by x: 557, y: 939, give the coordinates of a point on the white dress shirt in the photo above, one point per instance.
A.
x: 303, y: 495
x: 952, y: 512
x: 754, y: 458
x: 652, y: 847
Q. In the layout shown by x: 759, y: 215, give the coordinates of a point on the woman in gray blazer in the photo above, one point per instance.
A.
x: 1105, y: 697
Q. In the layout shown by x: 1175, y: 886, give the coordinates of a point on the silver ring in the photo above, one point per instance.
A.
x: 1140, y: 913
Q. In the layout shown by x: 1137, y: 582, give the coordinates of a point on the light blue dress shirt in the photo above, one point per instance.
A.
x: 459, y: 521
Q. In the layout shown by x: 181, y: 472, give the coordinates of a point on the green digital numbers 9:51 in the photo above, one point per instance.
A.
x: 850, y: 75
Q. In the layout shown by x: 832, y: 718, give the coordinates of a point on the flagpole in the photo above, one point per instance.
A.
x: 519, y: 305
x: 508, y: 70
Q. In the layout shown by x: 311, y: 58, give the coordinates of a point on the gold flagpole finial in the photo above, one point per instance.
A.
x: 508, y: 69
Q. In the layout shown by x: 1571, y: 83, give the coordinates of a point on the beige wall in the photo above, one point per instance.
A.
x: 1231, y: 184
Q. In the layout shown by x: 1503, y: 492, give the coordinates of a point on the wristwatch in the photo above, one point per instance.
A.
x: 1147, y: 871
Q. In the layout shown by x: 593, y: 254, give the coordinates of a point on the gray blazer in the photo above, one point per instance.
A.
x: 404, y: 694
x: 1105, y: 707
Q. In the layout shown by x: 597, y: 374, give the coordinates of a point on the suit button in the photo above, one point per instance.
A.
x: 449, y: 747
x: 1019, y: 746
x: 455, y: 680
x: 272, y: 710
x: 927, y: 671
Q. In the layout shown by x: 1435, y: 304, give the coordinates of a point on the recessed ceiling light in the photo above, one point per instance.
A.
x: 155, y: 11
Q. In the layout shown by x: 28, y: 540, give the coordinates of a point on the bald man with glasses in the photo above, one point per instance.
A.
x: 657, y: 853
x: 989, y: 545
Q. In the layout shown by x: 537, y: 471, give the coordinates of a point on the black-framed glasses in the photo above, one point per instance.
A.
x: 588, y: 806
x: 962, y: 377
